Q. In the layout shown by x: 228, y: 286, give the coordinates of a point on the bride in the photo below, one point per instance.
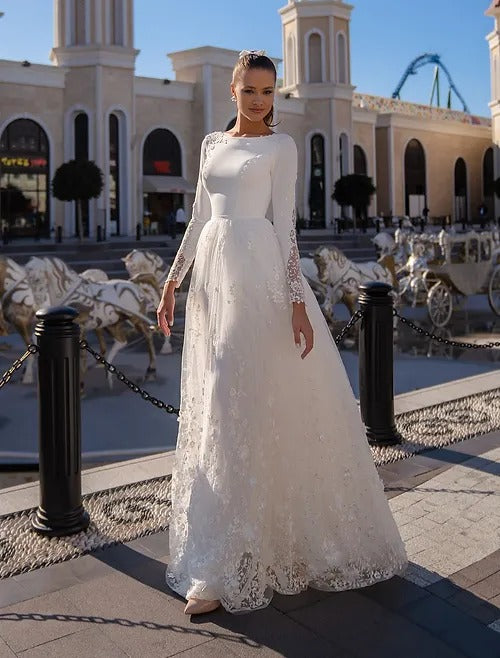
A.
x: 274, y: 487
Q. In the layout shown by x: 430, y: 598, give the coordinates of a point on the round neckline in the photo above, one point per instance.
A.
x: 243, y: 137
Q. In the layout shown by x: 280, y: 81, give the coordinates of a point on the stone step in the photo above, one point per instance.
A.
x: 107, y: 255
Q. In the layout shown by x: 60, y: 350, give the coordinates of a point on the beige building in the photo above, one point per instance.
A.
x: 145, y: 133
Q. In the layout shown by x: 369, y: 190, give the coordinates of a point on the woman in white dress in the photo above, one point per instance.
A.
x: 274, y: 487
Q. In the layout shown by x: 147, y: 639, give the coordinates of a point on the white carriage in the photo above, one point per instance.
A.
x: 445, y: 269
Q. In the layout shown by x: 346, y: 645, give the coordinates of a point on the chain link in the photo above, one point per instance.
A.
x: 32, y: 349
x: 354, y: 318
x: 124, y: 379
x: 440, y: 339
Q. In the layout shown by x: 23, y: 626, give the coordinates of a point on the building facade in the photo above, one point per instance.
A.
x: 145, y: 133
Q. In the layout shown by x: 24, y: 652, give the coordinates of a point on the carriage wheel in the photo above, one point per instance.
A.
x: 439, y: 304
x: 494, y: 290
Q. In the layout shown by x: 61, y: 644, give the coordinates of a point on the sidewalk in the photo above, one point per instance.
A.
x: 114, y: 601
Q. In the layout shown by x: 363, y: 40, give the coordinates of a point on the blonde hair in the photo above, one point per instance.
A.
x: 253, y: 60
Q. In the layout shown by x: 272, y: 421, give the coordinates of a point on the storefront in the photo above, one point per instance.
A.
x: 163, y: 185
x: 24, y: 180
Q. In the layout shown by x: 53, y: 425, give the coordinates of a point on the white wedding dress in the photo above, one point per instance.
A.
x: 274, y: 487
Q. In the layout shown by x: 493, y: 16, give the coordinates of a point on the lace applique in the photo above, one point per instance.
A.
x: 293, y: 270
x: 211, y: 140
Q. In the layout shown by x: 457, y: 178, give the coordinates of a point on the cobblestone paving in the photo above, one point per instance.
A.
x: 452, y: 522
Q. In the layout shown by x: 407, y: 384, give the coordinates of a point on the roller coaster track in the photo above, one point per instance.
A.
x: 422, y: 60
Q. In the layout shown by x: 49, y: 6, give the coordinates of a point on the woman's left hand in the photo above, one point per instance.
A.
x: 301, y: 324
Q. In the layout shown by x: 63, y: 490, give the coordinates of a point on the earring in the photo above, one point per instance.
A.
x: 233, y: 98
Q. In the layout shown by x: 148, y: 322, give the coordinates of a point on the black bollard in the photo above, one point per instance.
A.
x: 138, y: 232
x: 99, y: 233
x: 59, y: 234
x: 60, y: 511
x: 376, y: 388
x: 377, y: 226
x: 422, y: 224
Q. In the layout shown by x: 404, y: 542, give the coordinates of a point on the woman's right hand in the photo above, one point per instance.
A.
x: 165, y: 310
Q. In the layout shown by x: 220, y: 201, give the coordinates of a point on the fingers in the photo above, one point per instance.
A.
x: 309, y: 343
x: 163, y: 322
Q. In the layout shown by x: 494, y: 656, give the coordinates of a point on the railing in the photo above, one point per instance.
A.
x: 60, y: 511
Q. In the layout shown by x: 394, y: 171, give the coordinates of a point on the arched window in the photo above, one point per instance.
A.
x: 317, y: 181
x: 343, y: 154
x: 290, y: 61
x: 162, y: 158
x: 488, y: 173
x: 342, y: 59
x: 81, y: 146
x: 359, y: 160
x: 114, y: 173
x: 315, y: 72
x: 460, y: 177
x: 415, y: 188
x: 162, y: 154
x: 24, y: 179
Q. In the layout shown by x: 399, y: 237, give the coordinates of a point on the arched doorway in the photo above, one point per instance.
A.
x: 488, y: 181
x: 343, y: 154
x: 415, y: 188
x: 81, y: 147
x: 317, y: 206
x: 360, y: 166
x: 24, y: 179
x: 163, y: 185
x: 460, y: 204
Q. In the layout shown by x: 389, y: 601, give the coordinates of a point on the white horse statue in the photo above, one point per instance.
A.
x: 344, y: 276
x: 17, y: 306
x: 101, y: 305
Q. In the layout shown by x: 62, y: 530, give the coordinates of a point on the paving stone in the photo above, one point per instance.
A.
x: 285, y: 603
x: 12, y: 591
x: 215, y: 649
x: 394, y: 593
x: 444, y: 588
x: 454, y: 627
x: 268, y: 632
x: 489, y: 587
x: 368, y: 629
x: 485, y: 613
x: 139, y: 618
x: 5, y: 650
x: 48, y: 579
x: 41, y: 619
x: 88, y: 642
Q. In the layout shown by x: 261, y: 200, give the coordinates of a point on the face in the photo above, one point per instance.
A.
x: 254, y: 91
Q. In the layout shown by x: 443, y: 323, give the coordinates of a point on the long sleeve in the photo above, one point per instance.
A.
x: 200, y: 214
x: 284, y: 176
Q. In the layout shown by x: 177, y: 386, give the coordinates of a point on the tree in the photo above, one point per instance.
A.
x: 354, y: 190
x: 77, y: 180
x: 13, y: 202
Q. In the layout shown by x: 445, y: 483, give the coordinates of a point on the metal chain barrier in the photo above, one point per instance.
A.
x: 132, y: 385
x: 32, y: 349
x: 440, y: 339
x: 354, y: 318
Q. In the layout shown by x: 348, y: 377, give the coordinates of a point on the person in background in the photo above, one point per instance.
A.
x: 180, y: 216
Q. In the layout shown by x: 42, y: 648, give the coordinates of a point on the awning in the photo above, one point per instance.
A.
x: 167, y: 184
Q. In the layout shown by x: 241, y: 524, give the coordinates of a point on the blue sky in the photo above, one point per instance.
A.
x: 386, y: 35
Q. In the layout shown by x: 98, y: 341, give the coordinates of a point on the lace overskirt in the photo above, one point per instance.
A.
x: 274, y: 486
